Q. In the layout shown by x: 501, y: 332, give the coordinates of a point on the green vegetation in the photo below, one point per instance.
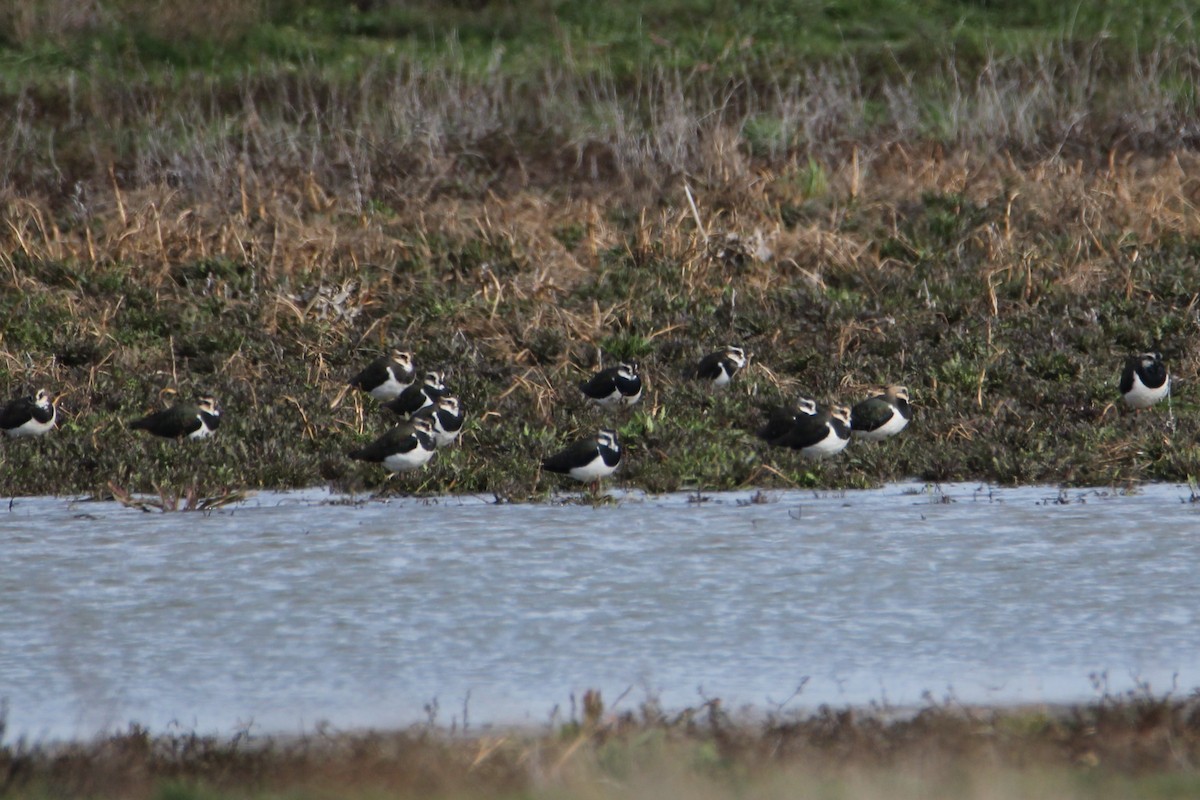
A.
x: 992, y: 202
x: 622, y: 39
x: 254, y: 199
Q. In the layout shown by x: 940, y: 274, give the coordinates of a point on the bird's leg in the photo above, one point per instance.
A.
x: 386, y: 489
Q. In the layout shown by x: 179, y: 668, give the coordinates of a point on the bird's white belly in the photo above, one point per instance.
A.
x: 594, y: 470
x: 1142, y: 396
x: 608, y: 399
x: 388, y: 390
x: 31, y: 428
x: 203, y: 432
x: 889, y: 428
x: 828, y: 446
x: 403, y: 462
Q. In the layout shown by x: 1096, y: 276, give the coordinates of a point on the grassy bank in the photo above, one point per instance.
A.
x: 995, y: 225
x: 1135, y: 746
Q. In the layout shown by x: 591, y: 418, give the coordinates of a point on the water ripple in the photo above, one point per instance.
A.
x: 289, y: 609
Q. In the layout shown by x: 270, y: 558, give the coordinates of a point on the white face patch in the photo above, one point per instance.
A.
x: 608, y: 438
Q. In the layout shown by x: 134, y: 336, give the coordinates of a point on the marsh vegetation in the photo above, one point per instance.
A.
x: 1135, y: 745
x: 254, y: 200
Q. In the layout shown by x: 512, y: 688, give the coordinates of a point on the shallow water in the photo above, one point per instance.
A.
x: 287, y: 610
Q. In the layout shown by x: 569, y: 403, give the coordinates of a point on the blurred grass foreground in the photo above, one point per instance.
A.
x: 1138, y: 745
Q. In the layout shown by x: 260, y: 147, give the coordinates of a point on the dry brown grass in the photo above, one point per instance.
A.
x: 1063, y: 221
x: 263, y: 242
x: 1142, y: 744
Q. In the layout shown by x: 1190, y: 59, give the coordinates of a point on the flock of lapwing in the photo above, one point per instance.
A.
x: 431, y: 417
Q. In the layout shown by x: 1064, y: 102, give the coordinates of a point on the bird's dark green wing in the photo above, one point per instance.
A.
x: 870, y: 414
x: 16, y: 413
x: 399, y: 439
x: 181, y: 420
x: 578, y: 453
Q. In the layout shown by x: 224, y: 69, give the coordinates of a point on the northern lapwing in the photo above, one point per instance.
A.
x: 881, y: 415
x: 33, y: 415
x: 196, y: 420
x: 404, y: 448
x: 419, y: 395
x: 446, y: 417
x: 719, y: 368
x: 588, y: 460
x: 780, y: 421
x: 619, y: 385
x: 386, y: 377
x: 825, y: 433
x: 1145, y: 380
